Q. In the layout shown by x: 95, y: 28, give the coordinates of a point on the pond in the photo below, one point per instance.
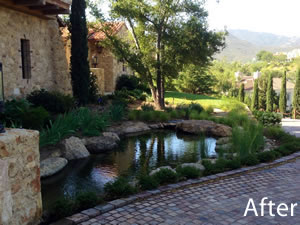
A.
x: 134, y: 154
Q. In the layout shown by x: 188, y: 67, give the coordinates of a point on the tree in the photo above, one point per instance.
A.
x: 242, y: 93
x: 80, y: 71
x: 270, y: 94
x: 296, y: 97
x: 167, y: 34
x: 282, y: 97
x: 254, y: 104
x: 194, y: 80
x: 265, y: 56
x: 262, y: 95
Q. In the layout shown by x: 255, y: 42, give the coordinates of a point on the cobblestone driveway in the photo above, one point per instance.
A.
x: 221, y: 202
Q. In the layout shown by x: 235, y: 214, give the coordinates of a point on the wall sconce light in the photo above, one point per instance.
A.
x: 95, y: 61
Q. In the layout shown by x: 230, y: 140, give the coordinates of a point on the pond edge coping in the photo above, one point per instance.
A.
x: 118, y: 203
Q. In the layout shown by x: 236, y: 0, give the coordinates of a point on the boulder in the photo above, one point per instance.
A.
x: 100, y: 144
x: 73, y: 148
x: 198, y: 166
x: 52, y: 166
x: 222, y: 141
x: 204, y: 126
x: 129, y: 127
x: 156, y: 126
x: 224, y: 147
x: 112, y: 135
x: 158, y: 169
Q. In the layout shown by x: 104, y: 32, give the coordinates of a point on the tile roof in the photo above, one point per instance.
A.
x: 96, y: 35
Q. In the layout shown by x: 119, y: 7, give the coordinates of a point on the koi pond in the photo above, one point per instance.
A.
x: 134, y: 154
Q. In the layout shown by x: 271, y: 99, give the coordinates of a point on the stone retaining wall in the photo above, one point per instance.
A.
x: 20, y: 188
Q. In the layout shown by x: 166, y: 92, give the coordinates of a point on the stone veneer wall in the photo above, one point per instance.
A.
x: 48, y: 59
x: 20, y: 188
x: 99, y: 73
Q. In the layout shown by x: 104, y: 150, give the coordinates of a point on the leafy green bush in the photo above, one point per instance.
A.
x: 148, y: 182
x: 249, y: 160
x: 234, y: 164
x: 128, y: 82
x: 62, y: 208
x: 134, y: 115
x: 268, y: 118
x: 209, y: 167
x: 117, y: 112
x: 85, y: 200
x: 165, y: 176
x: 264, y: 157
x: 118, y: 188
x: 81, y: 120
x: 35, y: 118
x: 147, y: 107
x: 196, y: 107
x: 53, y: 102
x: 188, y: 171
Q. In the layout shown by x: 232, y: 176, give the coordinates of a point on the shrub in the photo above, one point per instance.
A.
x: 234, y: 164
x: 148, y: 182
x: 250, y: 160
x: 134, y: 115
x: 62, y: 208
x: 165, y: 176
x: 209, y: 167
x: 85, y: 200
x: 196, y: 107
x: 189, y: 172
x: 53, y: 102
x: 268, y: 118
x: 35, y: 118
x: 119, y: 188
x: 164, y: 117
x: 117, y: 112
x: 220, y: 165
x: 147, y: 107
x: 128, y: 82
x: 174, y: 114
x: 264, y: 157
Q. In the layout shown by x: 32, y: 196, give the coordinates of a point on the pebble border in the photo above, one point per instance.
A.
x: 103, y: 208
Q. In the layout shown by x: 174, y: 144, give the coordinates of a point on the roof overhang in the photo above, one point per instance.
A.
x: 41, y: 8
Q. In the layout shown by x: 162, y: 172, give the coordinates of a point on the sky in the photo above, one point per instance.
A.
x: 273, y: 16
x: 280, y: 17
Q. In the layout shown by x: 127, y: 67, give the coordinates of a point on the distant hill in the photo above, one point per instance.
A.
x: 243, y: 45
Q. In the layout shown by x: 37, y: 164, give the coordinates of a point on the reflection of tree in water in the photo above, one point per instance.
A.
x: 160, y: 151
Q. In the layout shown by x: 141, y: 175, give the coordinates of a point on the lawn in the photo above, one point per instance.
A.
x: 226, y: 104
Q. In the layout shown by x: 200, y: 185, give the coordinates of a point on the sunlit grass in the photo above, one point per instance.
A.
x: 226, y: 104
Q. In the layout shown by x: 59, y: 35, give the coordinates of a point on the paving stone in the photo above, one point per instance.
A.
x: 104, y: 208
x: 91, y: 212
x: 117, y: 203
x: 78, y: 218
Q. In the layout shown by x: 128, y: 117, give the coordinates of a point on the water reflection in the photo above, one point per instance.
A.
x: 135, y: 154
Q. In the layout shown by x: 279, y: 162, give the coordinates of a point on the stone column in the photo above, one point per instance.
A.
x: 20, y: 187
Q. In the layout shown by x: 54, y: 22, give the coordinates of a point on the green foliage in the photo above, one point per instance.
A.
x: 117, y: 112
x: 165, y: 176
x: 282, y: 97
x: 254, y: 104
x: 296, y: 97
x: 81, y: 120
x: 129, y: 96
x: 147, y: 107
x: 268, y: 118
x: 194, y: 79
x: 93, y: 89
x: 35, y: 118
x: 127, y: 82
x: 263, y: 96
x: 234, y: 164
x: 242, y: 93
x: 264, y: 157
x: 249, y: 160
x: 247, y: 140
x: 151, y: 39
x: 119, y: 188
x: 85, y: 200
x: 188, y: 172
x: 21, y: 114
x: 53, y: 102
x: 269, y: 107
x: 62, y: 208
x: 265, y: 56
x: 134, y: 114
x: 148, y: 182
x: 248, y: 101
x: 80, y: 71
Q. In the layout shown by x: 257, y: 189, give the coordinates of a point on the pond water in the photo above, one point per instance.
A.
x: 134, y: 154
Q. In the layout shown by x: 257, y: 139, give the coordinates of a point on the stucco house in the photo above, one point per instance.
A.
x: 32, y: 52
x: 102, y: 60
x: 249, y: 84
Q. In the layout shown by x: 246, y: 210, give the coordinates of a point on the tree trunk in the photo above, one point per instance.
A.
x: 160, y: 103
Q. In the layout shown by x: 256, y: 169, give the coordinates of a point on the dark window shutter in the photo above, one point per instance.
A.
x: 26, y: 58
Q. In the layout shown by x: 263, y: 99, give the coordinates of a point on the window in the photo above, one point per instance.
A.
x: 26, y: 59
